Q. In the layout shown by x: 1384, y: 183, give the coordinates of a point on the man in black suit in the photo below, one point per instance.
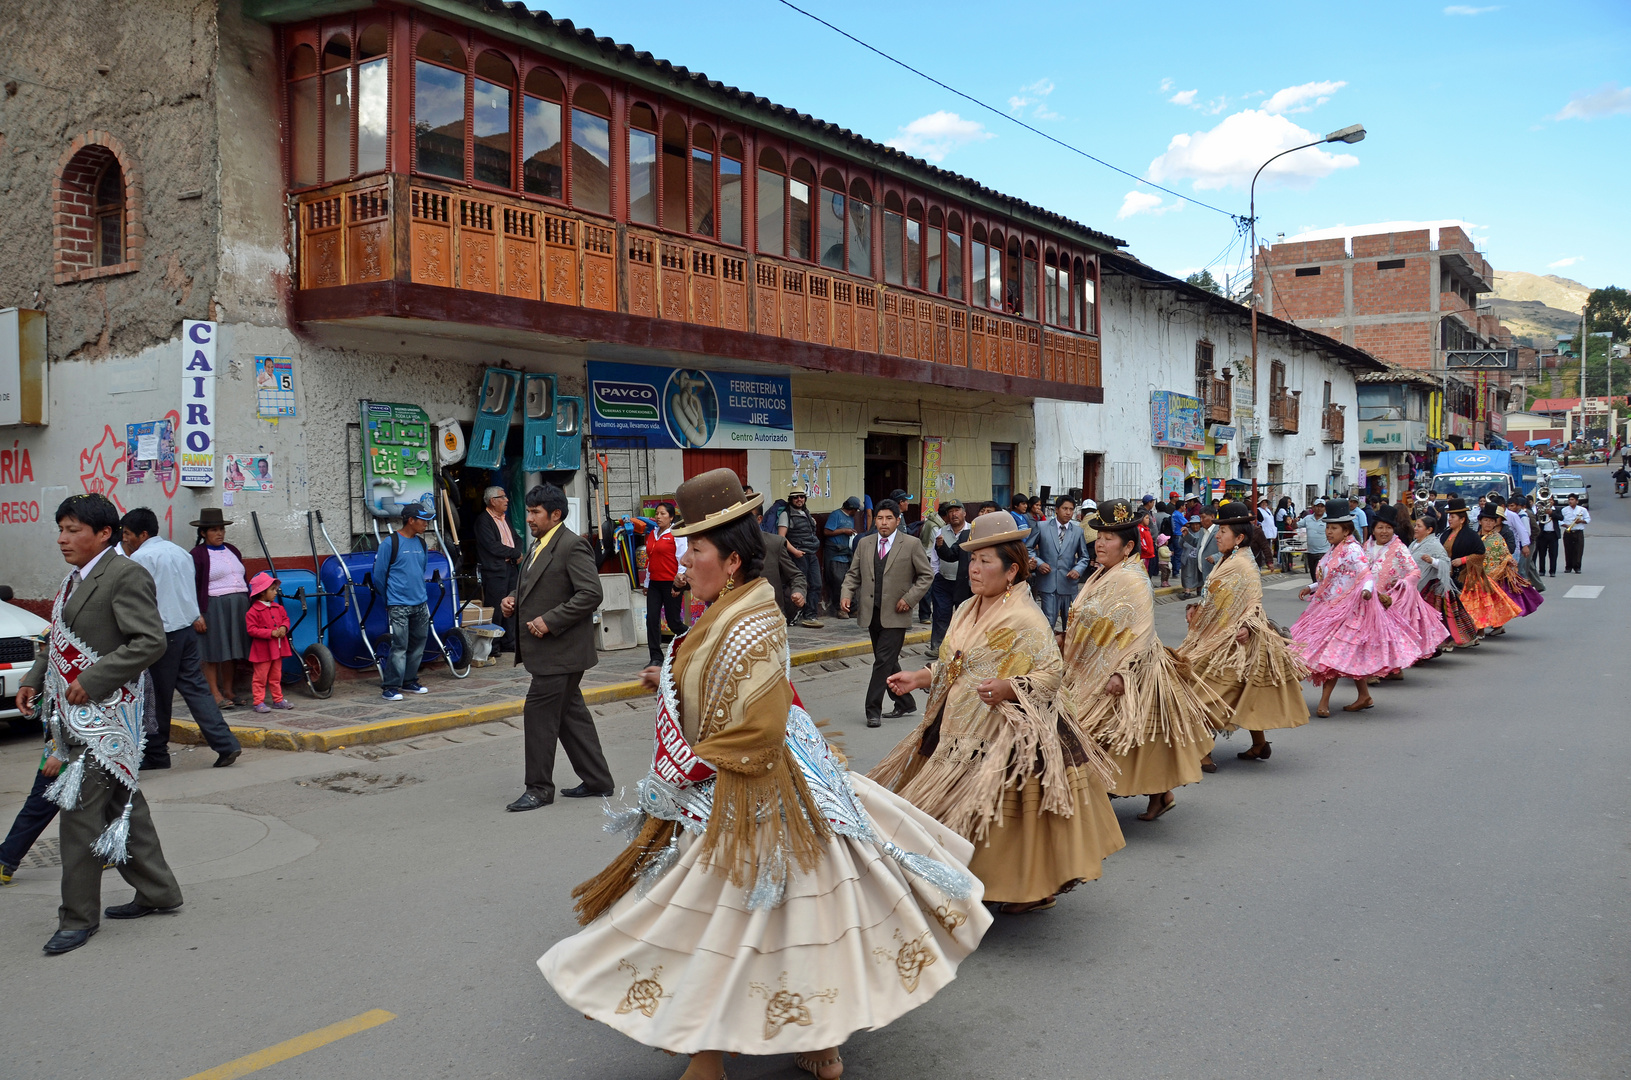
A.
x: 554, y: 603
x: 498, y: 557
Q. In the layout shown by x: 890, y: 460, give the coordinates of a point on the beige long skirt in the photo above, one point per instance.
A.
x: 1031, y: 855
x: 1159, y: 766
x: 1259, y: 706
x: 856, y: 944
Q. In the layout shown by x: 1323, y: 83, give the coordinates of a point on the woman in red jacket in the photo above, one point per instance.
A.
x: 664, y: 582
x: 268, y: 626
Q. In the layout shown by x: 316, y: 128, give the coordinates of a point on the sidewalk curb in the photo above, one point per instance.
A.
x: 381, y: 731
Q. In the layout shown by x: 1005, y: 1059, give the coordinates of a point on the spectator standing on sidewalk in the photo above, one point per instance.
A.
x: 804, y: 544
x: 175, y: 581
x: 950, y: 586
x: 886, y: 579
x: 268, y: 624
x: 1318, y: 546
x: 498, y: 553
x: 839, y: 542
x: 399, y: 576
x: 223, y: 600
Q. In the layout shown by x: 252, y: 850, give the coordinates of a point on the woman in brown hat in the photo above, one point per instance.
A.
x: 770, y: 900
x: 993, y: 759
x: 223, y: 605
x: 1235, y: 652
x: 1123, y: 686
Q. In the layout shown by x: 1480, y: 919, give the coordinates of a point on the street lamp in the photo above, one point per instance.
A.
x: 1351, y: 134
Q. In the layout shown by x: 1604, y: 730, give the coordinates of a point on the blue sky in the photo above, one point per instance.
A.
x: 1513, y: 117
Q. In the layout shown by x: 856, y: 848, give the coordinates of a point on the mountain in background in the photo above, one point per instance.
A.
x: 1538, y: 308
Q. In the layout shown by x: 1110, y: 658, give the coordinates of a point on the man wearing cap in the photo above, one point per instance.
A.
x: 1059, y: 554
x: 1318, y: 546
x: 839, y: 531
x: 887, y: 577
x: 950, y: 586
x: 804, y: 544
x: 399, y: 576
x: 498, y: 555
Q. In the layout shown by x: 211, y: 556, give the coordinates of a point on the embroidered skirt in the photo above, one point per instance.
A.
x: 1417, y: 619
x: 856, y: 944
x: 1463, y: 631
x: 1351, y: 638
x: 1488, y: 604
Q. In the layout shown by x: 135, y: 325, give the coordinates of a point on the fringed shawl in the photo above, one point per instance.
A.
x: 1435, y: 564
x: 1112, y: 632
x: 1233, y: 598
x: 979, y: 751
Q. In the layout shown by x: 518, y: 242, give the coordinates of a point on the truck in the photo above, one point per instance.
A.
x: 1471, y: 474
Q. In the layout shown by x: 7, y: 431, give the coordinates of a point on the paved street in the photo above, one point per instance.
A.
x: 1439, y: 887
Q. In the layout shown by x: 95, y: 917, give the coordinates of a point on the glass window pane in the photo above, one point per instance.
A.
x: 541, y: 149
x: 371, y: 115
x: 303, y: 132
x: 832, y: 229
x: 702, y: 191
x: 438, y: 120
x: 642, y: 177
x: 337, y: 124
x: 1030, y: 288
x: 994, y: 276
x: 860, y: 237
x: 914, y: 254
x: 492, y: 126
x: 772, y: 193
x: 1088, y: 300
x: 730, y: 201
x: 591, y: 162
x: 1050, y: 294
x: 954, y: 265
x: 894, y: 240
x: 978, y: 265
x: 110, y: 229
x: 675, y: 215
x: 931, y: 261
x: 799, y: 224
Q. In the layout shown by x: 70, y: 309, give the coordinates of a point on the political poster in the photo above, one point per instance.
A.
x: 688, y: 408
x: 274, y: 387
x: 247, y: 472
x: 150, y: 452
x: 808, y: 466
x: 1175, y: 421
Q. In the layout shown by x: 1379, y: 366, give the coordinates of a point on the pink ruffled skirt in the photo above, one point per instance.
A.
x: 1352, y: 638
x: 1418, y: 619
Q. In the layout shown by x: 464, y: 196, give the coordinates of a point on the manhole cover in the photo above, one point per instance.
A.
x: 44, y: 853
x: 360, y: 783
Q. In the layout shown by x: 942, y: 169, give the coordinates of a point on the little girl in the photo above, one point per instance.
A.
x: 268, y: 626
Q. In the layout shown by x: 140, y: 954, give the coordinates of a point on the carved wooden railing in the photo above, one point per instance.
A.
x: 1284, y: 406
x: 1331, y: 424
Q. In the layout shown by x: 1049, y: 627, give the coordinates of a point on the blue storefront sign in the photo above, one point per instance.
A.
x: 687, y: 408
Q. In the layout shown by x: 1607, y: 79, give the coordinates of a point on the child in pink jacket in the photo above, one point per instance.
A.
x: 268, y: 626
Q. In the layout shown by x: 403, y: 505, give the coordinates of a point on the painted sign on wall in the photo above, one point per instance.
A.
x: 198, y: 403
x: 686, y: 408
x: 933, y: 449
x: 1175, y: 421
x: 396, y: 458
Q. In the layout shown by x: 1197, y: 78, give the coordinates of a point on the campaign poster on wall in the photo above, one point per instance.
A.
x: 807, y: 470
x: 396, y: 458
x: 688, y: 408
x: 274, y: 387
x: 1175, y: 420
x: 150, y: 451
x: 247, y: 472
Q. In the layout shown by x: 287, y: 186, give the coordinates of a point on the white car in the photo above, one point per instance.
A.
x: 19, y: 631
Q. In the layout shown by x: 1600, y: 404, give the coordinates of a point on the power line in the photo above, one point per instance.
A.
x: 1008, y: 116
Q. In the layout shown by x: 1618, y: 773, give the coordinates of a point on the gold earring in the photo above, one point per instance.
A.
x: 730, y: 583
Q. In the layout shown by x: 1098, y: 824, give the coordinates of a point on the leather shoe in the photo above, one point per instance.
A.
x: 67, y: 941
x: 582, y: 792
x: 874, y: 721
x: 528, y: 801
x: 898, y: 713
x: 149, y: 764
x: 136, y: 909
x: 226, y: 759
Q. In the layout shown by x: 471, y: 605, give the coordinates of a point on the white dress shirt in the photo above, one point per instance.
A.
x: 1576, y: 517
x: 173, y: 578
x: 1520, y: 527
x: 883, y: 545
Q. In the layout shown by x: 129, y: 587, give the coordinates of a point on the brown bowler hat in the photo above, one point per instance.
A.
x: 210, y: 518
x: 991, y: 529
x: 713, y: 499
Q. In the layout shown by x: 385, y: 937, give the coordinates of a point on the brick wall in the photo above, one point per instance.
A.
x: 73, y: 224
x: 1407, y: 343
x: 1390, y: 292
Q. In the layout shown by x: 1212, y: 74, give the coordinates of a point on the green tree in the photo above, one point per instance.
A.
x: 1610, y: 309
x: 1204, y: 280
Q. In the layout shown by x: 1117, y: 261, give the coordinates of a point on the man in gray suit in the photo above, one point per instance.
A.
x: 1200, y: 547
x: 110, y: 631
x: 556, y: 598
x: 888, y: 575
x: 1060, y: 555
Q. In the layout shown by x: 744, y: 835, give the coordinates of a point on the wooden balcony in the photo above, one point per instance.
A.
x: 1284, y: 406
x: 1219, y: 400
x: 407, y: 231
x: 1331, y: 424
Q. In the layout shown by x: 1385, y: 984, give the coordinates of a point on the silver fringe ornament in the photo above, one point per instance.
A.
x: 111, y: 844
x: 65, y: 790
x: 952, y: 882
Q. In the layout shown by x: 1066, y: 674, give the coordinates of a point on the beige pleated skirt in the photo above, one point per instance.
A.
x: 1031, y: 855
x: 856, y: 944
x: 1159, y: 766
x: 1258, y: 706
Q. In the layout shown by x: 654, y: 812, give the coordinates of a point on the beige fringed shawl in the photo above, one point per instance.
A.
x: 958, y: 762
x: 1112, y: 632
x: 1234, y: 598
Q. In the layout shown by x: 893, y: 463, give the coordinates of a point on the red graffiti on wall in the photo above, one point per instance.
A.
x: 101, y: 467
x: 16, y: 467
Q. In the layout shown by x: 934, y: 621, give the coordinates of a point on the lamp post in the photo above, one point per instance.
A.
x: 1351, y: 134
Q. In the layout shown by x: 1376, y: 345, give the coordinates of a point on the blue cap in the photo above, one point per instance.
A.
x: 421, y: 511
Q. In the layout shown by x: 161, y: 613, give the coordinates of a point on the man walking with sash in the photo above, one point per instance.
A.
x: 106, y: 632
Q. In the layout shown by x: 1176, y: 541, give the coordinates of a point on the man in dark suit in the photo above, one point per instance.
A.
x: 887, y: 577
x: 782, y: 571
x: 110, y: 605
x: 498, y: 557
x: 554, y: 603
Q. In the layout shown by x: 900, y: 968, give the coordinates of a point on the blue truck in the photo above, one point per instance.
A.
x: 1471, y: 474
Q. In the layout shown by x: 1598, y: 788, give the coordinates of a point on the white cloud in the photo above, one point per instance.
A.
x: 938, y: 134
x: 1184, y: 97
x: 1228, y: 155
x: 1296, y: 99
x: 1034, y: 94
x: 1609, y: 99
x: 1463, y: 9
x: 1167, y: 84
x: 1145, y: 202
x: 1564, y: 263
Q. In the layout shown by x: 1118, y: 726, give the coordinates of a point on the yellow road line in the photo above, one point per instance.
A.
x: 294, y: 1047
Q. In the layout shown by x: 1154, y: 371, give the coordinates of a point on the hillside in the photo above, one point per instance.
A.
x: 1537, y: 308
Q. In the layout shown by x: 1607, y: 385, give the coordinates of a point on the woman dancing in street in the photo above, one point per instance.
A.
x: 769, y: 900
x: 1236, y: 653
x: 993, y: 750
x: 1123, y: 686
x: 1489, y: 605
x: 1397, y: 578
x: 1438, y: 588
x: 1345, y: 633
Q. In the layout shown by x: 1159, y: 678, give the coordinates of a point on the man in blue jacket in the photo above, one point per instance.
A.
x: 399, y: 574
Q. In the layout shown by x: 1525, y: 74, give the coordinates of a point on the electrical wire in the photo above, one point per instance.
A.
x: 1237, y: 218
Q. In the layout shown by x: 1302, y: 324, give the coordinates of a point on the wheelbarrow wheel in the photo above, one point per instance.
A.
x: 319, y: 669
x: 457, y: 643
